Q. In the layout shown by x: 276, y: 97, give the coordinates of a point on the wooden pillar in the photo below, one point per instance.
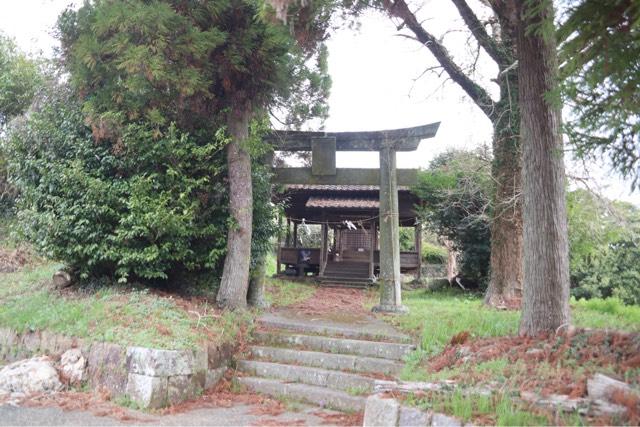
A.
x: 372, y: 249
x: 339, y: 238
x: 390, y: 286
x: 279, y: 246
x: 288, y: 235
x: 323, y: 248
x: 295, y: 234
x: 418, y: 246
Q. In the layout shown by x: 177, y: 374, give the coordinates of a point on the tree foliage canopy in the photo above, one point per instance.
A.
x: 600, y: 51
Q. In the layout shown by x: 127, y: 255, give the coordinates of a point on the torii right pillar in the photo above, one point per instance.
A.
x: 390, y: 282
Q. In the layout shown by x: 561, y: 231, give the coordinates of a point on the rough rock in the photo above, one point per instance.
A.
x: 380, y: 411
x: 602, y: 387
x: 36, y: 375
x: 62, y: 279
x: 148, y: 392
x: 73, y: 366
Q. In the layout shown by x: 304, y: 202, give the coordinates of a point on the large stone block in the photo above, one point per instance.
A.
x: 413, y: 417
x: 213, y: 377
x: 73, y: 365
x: 159, y: 363
x: 380, y: 411
x: 442, y: 420
x: 106, y: 367
x: 146, y: 391
x: 8, y: 340
x: 180, y: 388
x: 219, y: 355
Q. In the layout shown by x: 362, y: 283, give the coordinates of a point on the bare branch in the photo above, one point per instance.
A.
x: 479, y: 95
x: 487, y: 42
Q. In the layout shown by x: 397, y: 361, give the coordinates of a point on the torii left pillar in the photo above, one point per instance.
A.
x: 390, y: 281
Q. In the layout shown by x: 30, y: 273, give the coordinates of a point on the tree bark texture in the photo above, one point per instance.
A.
x: 546, y: 251
x: 505, y: 286
x: 235, y: 275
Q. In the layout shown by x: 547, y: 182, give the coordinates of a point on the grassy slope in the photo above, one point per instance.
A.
x: 435, y: 317
x: 115, y: 314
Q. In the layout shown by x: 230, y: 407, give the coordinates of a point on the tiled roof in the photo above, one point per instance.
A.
x: 343, y: 202
x: 331, y: 187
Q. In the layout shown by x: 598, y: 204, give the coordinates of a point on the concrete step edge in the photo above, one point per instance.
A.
x: 333, y: 331
x: 353, y: 384
x: 339, y: 362
x: 335, y: 345
x: 320, y: 396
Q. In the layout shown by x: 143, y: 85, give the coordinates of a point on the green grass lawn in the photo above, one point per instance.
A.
x: 119, y: 314
x: 435, y: 317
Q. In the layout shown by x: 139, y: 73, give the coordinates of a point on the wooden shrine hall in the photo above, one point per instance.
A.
x: 359, y: 210
x: 348, y: 216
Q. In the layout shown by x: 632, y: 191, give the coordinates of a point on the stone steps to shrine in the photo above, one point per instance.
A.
x: 329, y: 364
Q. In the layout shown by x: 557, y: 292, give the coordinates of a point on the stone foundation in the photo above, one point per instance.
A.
x: 153, y: 378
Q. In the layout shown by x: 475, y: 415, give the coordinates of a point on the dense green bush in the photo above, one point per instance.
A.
x: 455, y: 194
x: 604, y: 241
x: 152, y: 206
x: 434, y: 254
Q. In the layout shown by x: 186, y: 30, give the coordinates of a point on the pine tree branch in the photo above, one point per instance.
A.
x: 487, y: 42
x: 479, y: 95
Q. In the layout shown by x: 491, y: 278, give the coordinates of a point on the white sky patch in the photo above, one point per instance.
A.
x: 374, y: 84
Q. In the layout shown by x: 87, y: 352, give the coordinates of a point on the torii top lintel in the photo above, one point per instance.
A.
x: 404, y: 139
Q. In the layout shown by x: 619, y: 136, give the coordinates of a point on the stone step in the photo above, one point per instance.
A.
x: 343, y: 362
x: 321, y: 396
x: 365, y: 348
x: 377, y: 332
x: 351, y: 383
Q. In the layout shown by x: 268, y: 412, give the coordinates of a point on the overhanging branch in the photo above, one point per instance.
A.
x: 487, y: 42
x: 479, y: 95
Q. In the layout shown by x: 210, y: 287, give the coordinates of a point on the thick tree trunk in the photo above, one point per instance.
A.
x: 546, y: 252
x: 505, y: 285
x: 235, y: 275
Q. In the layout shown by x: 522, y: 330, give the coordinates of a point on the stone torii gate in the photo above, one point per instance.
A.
x: 323, y: 146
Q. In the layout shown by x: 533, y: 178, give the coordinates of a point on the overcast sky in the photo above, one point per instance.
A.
x: 375, y: 84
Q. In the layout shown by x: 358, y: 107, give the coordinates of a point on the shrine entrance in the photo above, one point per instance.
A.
x: 359, y: 211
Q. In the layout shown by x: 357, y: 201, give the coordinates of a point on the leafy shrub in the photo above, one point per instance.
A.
x: 455, y: 194
x: 604, y: 248
x: 434, y: 254
x: 152, y: 206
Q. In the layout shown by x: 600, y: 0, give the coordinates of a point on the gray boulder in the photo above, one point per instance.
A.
x: 36, y: 375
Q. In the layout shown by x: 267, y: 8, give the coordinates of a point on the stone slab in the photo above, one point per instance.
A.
x: 381, y: 411
x: 107, y: 367
x: 366, y: 348
x: 148, y: 392
x: 159, y: 363
x: 365, y: 328
x: 413, y: 417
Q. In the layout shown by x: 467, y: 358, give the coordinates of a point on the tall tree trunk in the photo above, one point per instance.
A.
x: 546, y: 251
x: 505, y: 285
x: 235, y: 275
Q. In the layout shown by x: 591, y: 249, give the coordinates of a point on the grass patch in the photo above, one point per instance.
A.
x: 283, y: 293
x: 497, y: 409
x: 435, y: 317
x: 118, y: 314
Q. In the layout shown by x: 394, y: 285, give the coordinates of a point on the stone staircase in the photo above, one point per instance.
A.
x: 322, y: 363
x: 346, y: 274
